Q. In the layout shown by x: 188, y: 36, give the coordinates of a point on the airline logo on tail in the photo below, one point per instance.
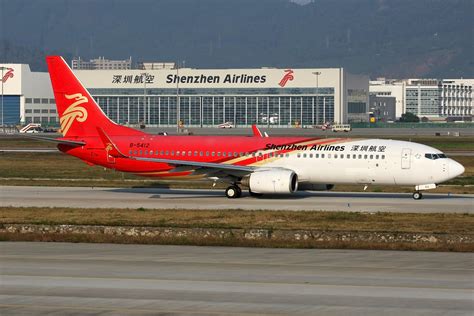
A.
x: 73, y: 112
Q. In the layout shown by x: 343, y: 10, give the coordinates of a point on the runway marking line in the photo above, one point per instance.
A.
x: 241, y: 282
x: 125, y: 309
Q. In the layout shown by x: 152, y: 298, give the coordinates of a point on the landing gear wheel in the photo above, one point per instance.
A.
x: 239, y: 191
x: 417, y: 195
x: 233, y: 192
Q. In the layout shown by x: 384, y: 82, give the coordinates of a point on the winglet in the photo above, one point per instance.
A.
x: 110, y: 147
x: 256, y: 131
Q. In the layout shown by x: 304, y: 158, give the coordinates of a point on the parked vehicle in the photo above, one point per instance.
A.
x: 226, y: 125
x: 341, y: 128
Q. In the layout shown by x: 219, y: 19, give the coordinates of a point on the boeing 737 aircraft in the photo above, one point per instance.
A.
x: 264, y: 165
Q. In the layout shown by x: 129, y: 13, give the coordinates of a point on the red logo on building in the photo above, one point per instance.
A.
x: 8, y: 74
x: 287, y: 77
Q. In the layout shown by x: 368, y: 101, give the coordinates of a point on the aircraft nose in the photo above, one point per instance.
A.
x: 455, y: 168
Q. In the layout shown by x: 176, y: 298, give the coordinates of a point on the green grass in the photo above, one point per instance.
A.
x: 333, y: 221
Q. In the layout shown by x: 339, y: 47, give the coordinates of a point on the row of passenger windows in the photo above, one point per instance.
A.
x: 342, y: 156
x: 200, y: 153
x: 246, y: 154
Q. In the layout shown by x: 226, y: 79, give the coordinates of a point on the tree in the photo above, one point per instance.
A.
x: 409, y: 118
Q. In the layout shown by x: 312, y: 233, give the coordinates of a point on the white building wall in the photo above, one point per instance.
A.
x: 457, y: 97
x: 394, y: 89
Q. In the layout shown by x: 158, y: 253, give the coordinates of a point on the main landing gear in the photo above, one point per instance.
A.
x: 417, y: 195
x: 233, y: 192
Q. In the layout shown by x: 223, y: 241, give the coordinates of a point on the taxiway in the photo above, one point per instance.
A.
x: 104, y: 279
x: 160, y: 198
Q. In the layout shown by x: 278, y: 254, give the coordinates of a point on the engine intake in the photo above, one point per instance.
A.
x: 279, y: 181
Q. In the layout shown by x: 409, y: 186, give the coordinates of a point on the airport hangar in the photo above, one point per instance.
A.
x: 207, y: 97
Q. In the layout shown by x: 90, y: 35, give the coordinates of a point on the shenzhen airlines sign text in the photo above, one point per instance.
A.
x: 225, y: 78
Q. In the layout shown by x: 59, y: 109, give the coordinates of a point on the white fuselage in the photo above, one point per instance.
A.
x: 371, y: 161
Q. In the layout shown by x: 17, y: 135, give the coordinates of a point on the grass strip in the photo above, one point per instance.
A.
x: 449, y: 230
x: 446, y: 223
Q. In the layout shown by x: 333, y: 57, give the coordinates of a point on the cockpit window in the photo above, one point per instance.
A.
x: 435, y: 156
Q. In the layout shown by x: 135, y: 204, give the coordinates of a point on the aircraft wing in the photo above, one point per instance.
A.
x: 209, y: 167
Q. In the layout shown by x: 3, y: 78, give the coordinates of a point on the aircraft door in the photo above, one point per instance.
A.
x: 406, y: 158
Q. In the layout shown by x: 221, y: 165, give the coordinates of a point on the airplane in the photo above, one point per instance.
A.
x: 262, y: 164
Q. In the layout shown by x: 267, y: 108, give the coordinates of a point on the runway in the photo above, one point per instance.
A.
x: 103, y: 279
x: 89, y: 197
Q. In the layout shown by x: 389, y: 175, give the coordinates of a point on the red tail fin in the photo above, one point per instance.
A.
x: 79, y: 114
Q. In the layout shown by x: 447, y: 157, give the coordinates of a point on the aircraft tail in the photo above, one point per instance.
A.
x: 79, y: 114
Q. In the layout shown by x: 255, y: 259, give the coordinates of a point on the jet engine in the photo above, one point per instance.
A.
x: 276, y: 181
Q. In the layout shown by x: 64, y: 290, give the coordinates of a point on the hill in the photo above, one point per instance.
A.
x: 399, y: 38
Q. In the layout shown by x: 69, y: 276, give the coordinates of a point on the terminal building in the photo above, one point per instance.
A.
x: 432, y: 99
x: 206, y: 97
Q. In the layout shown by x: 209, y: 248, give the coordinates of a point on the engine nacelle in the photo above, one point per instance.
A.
x: 315, y: 187
x: 279, y: 181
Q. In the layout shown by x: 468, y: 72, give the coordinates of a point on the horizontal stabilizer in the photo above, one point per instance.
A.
x: 73, y: 143
x: 110, y: 147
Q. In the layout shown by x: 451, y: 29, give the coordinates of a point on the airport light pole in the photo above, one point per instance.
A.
x: 317, y: 73
x: 3, y: 69
x: 177, y: 98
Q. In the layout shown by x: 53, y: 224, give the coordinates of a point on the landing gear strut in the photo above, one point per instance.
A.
x: 233, y: 192
x: 417, y: 195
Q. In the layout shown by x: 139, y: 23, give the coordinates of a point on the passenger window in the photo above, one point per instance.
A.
x: 218, y: 154
x: 310, y: 155
x: 304, y: 155
x: 177, y: 153
x: 354, y: 156
x: 224, y: 154
x: 190, y: 153
x: 322, y: 155
x: 213, y: 153
x: 298, y: 155
x: 376, y: 156
x: 253, y: 154
x: 130, y: 152
x: 316, y: 156
x: 287, y: 155
x: 229, y: 154
x: 141, y: 153
x: 365, y: 156
x: 151, y: 152
x: 146, y: 152
x: 201, y: 153
x: 371, y: 156
x: 207, y: 154
x: 167, y: 153
x: 329, y: 155
x: 241, y: 154
x: 360, y: 156
x: 172, y: 153
x: 335, y: 156
x: 383, y: 156
x: 348, y: 156
x: 162, y: 152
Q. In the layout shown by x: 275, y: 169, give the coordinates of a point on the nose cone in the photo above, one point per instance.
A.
x: 455, y: 168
